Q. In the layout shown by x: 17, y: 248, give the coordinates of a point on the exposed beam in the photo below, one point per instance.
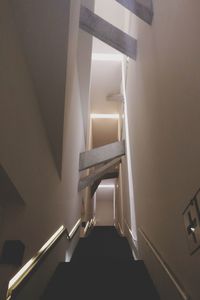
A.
x: 94, y: 187
x: 106, y: 32
x: 101, y: 154
x: 108, y: 175
x: 97, y: 174
x: 143, y: 10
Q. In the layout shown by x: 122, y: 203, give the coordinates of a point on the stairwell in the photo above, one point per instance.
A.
x: 102, y: 267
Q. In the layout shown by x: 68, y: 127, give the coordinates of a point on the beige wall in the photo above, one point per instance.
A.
x: 104, y: 206
x: 25, y: 154
x: 163, y: 106
x: 85, y: 42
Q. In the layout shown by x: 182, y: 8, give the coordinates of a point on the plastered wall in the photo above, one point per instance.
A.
x: 50, y: 200
x: 163, y: 107
x: 104, y: 213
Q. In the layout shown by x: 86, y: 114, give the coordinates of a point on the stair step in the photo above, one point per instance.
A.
x: 101, y: 280
x: 89, y: 250
x: 103, y: 242
x: 102, y: 267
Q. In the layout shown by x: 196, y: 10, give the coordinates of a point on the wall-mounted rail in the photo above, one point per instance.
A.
x: 89, y: 225
x: 74, y: 229
x: 118, y: 226
x: 166, y: 268
x: 15, y: 282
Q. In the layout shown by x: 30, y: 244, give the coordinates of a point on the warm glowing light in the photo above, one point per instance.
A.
x: 107, y: 186
x: 33, y: 260
x: 51, y: 239
x: 74, y: 228
x: 107, y: 57
x: 104, y: 116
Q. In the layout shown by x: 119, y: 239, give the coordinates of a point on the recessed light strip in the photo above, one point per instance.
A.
x: 106, y: 57
x: 107, y: 186
x: 104, y: 116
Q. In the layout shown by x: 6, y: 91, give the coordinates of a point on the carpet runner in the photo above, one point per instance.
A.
x: 102, y: 267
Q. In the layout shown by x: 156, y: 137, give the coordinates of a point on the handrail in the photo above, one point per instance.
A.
x: 130, y: 231
x: 74, y: 229
x: 89, y: 224
x: 120, y: 228
x: 28, y: 267
x: 173, y: 278
x: 86, y: 227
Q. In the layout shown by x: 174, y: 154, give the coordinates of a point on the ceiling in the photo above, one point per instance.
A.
x: 106, y: 76
x: 112, y: 12
x: 105, y: 131
x: 105, y: 80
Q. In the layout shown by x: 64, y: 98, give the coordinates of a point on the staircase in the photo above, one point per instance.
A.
x: 102, y: 267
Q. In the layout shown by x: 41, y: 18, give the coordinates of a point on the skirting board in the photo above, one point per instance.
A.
x: 168, y: 274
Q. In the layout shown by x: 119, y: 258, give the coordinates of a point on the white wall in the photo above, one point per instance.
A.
x: 163, y: 106
x: 25, y: 154
x: 85, y: 41
x: 104, y: 213
x: 45, y: 46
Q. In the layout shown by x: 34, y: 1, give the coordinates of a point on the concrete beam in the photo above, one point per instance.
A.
x: 106, y: 32
x: 94, y: 187
x: 101, y: 154
x: 142, y: 9
x: 108, y: 175
x: 97, y: 174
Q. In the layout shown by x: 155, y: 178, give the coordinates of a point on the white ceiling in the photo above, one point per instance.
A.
x: 104, y: 132
x: 100, y: 47
x: 118, y: 16
x: 105, y: 80
x: 106, y: 75
x: 112, y: 12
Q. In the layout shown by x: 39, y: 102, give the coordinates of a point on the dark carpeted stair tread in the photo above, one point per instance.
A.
x: 104, y: 232
x: 105, y: 229
x: 103, y: 242
x: 102, y: 267
x: 109, y: 280
x: 82, y: 253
